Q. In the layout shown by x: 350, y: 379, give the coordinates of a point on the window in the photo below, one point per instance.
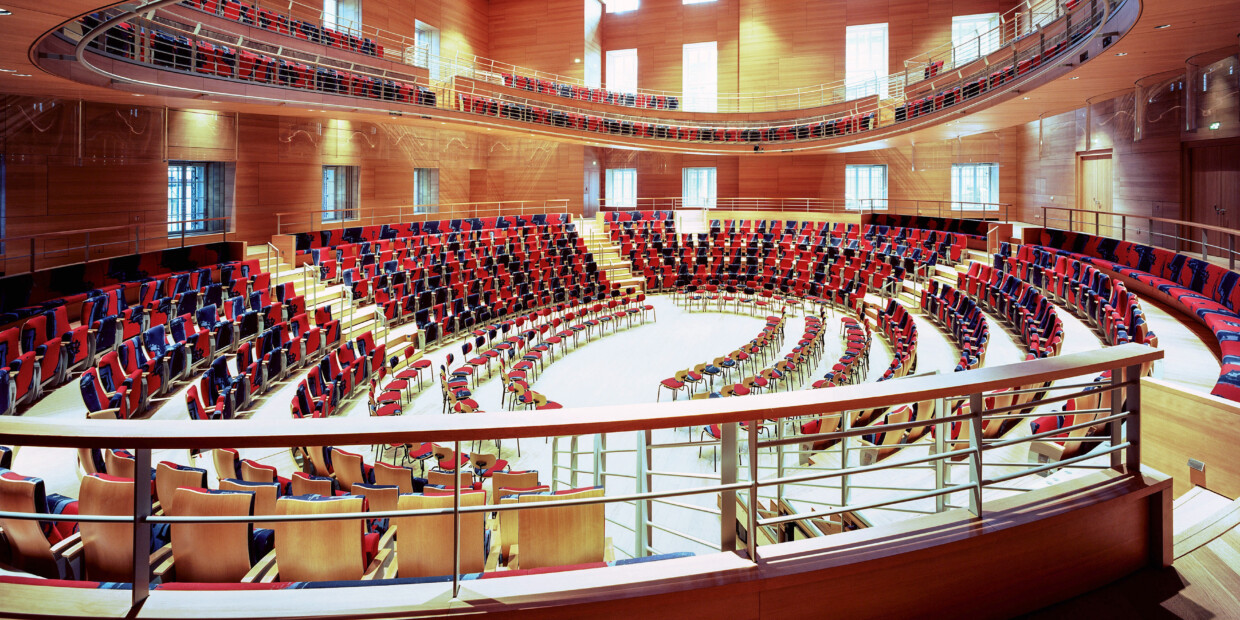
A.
x: 622, y: 71
x: 340, y: 193
x: 195, y: 194
x: 865, y: 187
x: 343, y: 15
x: 620, y: 6
x: 701, y: 77
x: 426, y: 190
x: 975, y: 183
x: 865, y: 61
x: 622, y: 187
x: 426, y: 48
x: 974, y: 36
x: 698, y: 187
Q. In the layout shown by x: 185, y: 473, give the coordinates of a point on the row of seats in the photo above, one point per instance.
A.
x: 539, y: 115
x: 1031, y: 313
x: 897, y: 325
x: 586, y: 93
x: 961, y: 317
x: 755, y: 353
x: 162, y: 323
x: 273, y: 21
x: 305, y: 241
x: 169, y: 50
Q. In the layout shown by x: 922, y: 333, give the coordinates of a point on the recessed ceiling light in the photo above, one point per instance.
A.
x: 1075, y: 77
x: 1025, y: 98
x: 21, y: 75
x: 1162, y: 27
x: 1121, y: 54
x: 138, y: 94
x: 4, y: 12
x: 576, y: 60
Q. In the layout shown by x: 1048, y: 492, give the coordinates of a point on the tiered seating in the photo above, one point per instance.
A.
x: 493, y: 106
x: 267, y: 19
x: 586, y: 93
x: 454, y: 276
x: 758, y: 350
x: 853, y: 365
x: 897, y: 325
x: 959, y: 315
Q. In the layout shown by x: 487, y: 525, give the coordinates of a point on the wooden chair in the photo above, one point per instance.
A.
x: 509, y: 519
x: 318, y: 461
x: 424, y: 543
x: 302, y: 483
x: 169, y: 477
x: 446, y: 459
x: 265, y: 494
x: 33, y: 550
x: 350, y: 469
x: 118, y: 464
x: 463, y: 478
x: 227, y: 463
x: 514, y: 480
x: 561, y: 535
x: 208, y: 552
x: 108, y: 547
x: 380, y: 497
x: 486, y: 464
x: 394, y: 475
x: 317, y: 550
x: 252, y: 471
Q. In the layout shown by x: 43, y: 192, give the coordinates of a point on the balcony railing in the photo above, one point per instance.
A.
x: 291, y: 222
x: 1177, y: 235
x: 963, y: 469
x: 866, y: 206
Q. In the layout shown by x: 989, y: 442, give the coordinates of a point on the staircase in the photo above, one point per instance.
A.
x: 355, y: 319
x: 607, y: 255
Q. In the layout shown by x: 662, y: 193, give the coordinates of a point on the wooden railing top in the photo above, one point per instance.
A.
x: 1149, y: 218
x: 186, y: 434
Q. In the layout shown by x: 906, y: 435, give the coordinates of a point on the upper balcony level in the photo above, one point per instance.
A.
x: 234, y: 51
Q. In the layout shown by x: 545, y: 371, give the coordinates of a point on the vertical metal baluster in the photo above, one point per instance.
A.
x: 1132, y: 404
x: 941, y: 432
x: 456, y: 524
x: 641, y: 537
x: 751, y: 538
x: 975, y: 444
x: 727, y: 475
x: 846, y: 423
x: 141, y: 529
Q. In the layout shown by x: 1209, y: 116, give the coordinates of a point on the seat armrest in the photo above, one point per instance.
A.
x: 513, y: 563
x: 379, y: 566
x: 265, y: 571
x: 69, y: 548
x: 609, y: 551
x: 492, y: 562
x: 388, y: 539
x: 164, y: 565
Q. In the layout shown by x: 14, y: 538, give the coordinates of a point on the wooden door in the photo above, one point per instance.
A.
x: 1094, y: 196
x: 1213, y: 185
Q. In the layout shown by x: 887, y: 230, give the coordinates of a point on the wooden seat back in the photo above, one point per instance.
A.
x: 380, y: 498
x: 463, y: 478
x: 315, y: 453
x: 424, y: 543
x: 561, y: 535
x: 264, y: 496
x: 250, y: 473
x: 394, y: 475
x: 225, y: 463
x: 510, y: 480
x: 119, y: 466
x: 169, y: 479
x: 107, y: 547
x: 348, y: 468
x: 300, y: 485
x: 210, y: 552
x: 319, y: 550
x: 31, y: 550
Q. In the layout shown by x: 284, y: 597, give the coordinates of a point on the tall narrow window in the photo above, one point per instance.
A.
x: 701, y: 77
x: 975, y: 186
x: 698, y: 187
x: 343, y: 15
x: 622, y: 71
x: 865, y: 187
x: 426, y: 190
x: 340, y: 193
x: 621, y: 6
x: 974, y: 36
x: 426, y: 48
x: 865, y: 61
x: 622, y: 187
x: 195, y: 197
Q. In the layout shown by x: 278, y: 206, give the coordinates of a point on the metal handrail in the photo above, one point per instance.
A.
x: 312, y: 221
x: 90, y: 251
x: 896, y: 206
x: 1197, y: 235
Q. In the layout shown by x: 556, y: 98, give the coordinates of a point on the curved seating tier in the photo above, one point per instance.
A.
x: 960, y: 316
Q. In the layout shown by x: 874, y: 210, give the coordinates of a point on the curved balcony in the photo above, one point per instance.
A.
x: 1114, y: 518
x: 171, y: 54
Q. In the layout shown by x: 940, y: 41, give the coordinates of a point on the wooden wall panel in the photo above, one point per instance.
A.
x: 547, y: 35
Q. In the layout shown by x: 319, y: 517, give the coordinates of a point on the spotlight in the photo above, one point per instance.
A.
x: 1162, y: 27
x: 4, y: 12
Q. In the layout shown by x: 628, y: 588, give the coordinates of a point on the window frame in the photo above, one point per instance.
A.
x: 988, y: 37
x: 425, y: 56
x: 207, y: 201
x: 854, y: 203
x: 622, y: 6
x: 857, y: 81
x: 617, y: 178
x: 627, y: 85
x: 425, y: 182
x: 958, y: 199
x: 703, y: 96
x: 348, y: 177
x: 333, y: 15
x: 711, y: 175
